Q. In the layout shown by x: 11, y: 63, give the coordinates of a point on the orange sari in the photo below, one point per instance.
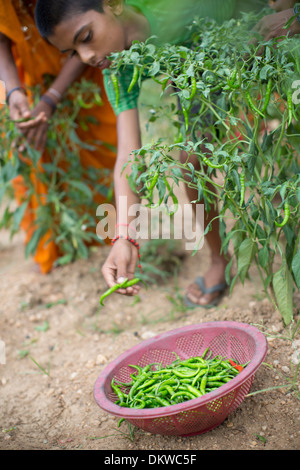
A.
x: 35, y: 58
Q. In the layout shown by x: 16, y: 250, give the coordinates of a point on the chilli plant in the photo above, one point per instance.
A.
x: 67, y: 208
x: 245, y: 93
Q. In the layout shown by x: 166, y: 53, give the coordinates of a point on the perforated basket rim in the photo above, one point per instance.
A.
x: 261, y: 348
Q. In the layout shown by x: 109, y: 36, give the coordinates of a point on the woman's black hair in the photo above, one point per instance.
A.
x: 50, y: 13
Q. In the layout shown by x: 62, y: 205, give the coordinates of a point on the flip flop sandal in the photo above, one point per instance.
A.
x: 206, y: 290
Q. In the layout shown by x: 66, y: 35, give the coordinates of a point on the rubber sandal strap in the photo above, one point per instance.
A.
x: 209, y: 290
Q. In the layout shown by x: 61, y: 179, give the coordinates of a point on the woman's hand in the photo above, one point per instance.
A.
x: 272, y: 26
x: 120, y: 264
x: 35, y: 131
x: 280, y: 5
x: 19, y: 109
x: 34, y: 128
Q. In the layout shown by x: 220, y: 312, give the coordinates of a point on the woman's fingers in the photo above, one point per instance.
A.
x: 32, y: 122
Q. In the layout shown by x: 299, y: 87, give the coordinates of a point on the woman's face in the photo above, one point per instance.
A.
x: 92, y: 36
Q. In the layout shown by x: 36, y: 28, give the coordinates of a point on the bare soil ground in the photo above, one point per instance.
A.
x: 55, y: 321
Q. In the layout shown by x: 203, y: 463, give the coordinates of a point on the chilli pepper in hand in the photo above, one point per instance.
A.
x: 123, y: 285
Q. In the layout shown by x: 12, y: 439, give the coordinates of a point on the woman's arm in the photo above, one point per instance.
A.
x: 37, y: 134
x: 280, y: 5
x: 35, y: 130
x: 8, y: 69
x: 272, y: 26
x: 122, y: 260
x: 18, y: 103
x: 71, y: 70
x: 129, y: 139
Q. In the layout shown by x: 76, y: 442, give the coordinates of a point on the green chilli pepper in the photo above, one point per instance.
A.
x: 172, y: 195
x: 136, y: 385
x: 252, y: 105
x: 183, y: 393
x: 19, y: 121
x: 242, y: 181
x: 115, y: 83
x: 204, y: 354
x: 290, y: 106
x: 142, y: 403
x: 216, y: 88
x: 118, y: 392
x: 161, y: 401
x: 285, y: 217
x: 200, y: 374
x: 210, y: 164
x: 154, y: 181
x: 194, y: 390
x: 193, y: 88
x: 232, y: 80
x: 186, y: 117
x: 110, y: 291
x: 184, y: 373
x: 83, y: 104
x: 138, y: 368
x: 203, y: 384
x: 134, y: 79
x: 122, y: 285
x: 98, y: 99
x: 267, y: 95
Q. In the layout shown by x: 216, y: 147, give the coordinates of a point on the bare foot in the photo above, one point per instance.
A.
x: 215, y: 275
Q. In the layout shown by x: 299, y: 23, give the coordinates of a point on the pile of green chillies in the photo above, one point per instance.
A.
x: 154, y: 386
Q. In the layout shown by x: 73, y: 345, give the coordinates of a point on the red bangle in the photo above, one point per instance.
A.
x: 134, y: 242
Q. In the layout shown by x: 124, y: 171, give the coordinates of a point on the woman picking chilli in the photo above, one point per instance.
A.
x: 93, y: 30
x: 25, y: 62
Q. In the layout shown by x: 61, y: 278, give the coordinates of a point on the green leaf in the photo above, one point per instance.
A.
x: 2, y: 191
x: 83, y: 188
x: 227, y: 272
x: 232, y: 284
x: 154, y: 69
x: 66, y: 259
x: 18, y: 215
x: 263, y: 75
x: 246, y: 253
x: 190, y: 72
x: 34, y: 241
x: 283, y: 289
x: 263, y: 256
x: 74, y: 138
x: 6, y: 218
x: 296, y: 268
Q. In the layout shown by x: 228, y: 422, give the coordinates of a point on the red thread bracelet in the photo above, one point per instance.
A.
x: 125, y: 225
x: 134, y: 242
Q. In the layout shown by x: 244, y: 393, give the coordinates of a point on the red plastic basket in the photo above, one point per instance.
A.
x: 228, y: 339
